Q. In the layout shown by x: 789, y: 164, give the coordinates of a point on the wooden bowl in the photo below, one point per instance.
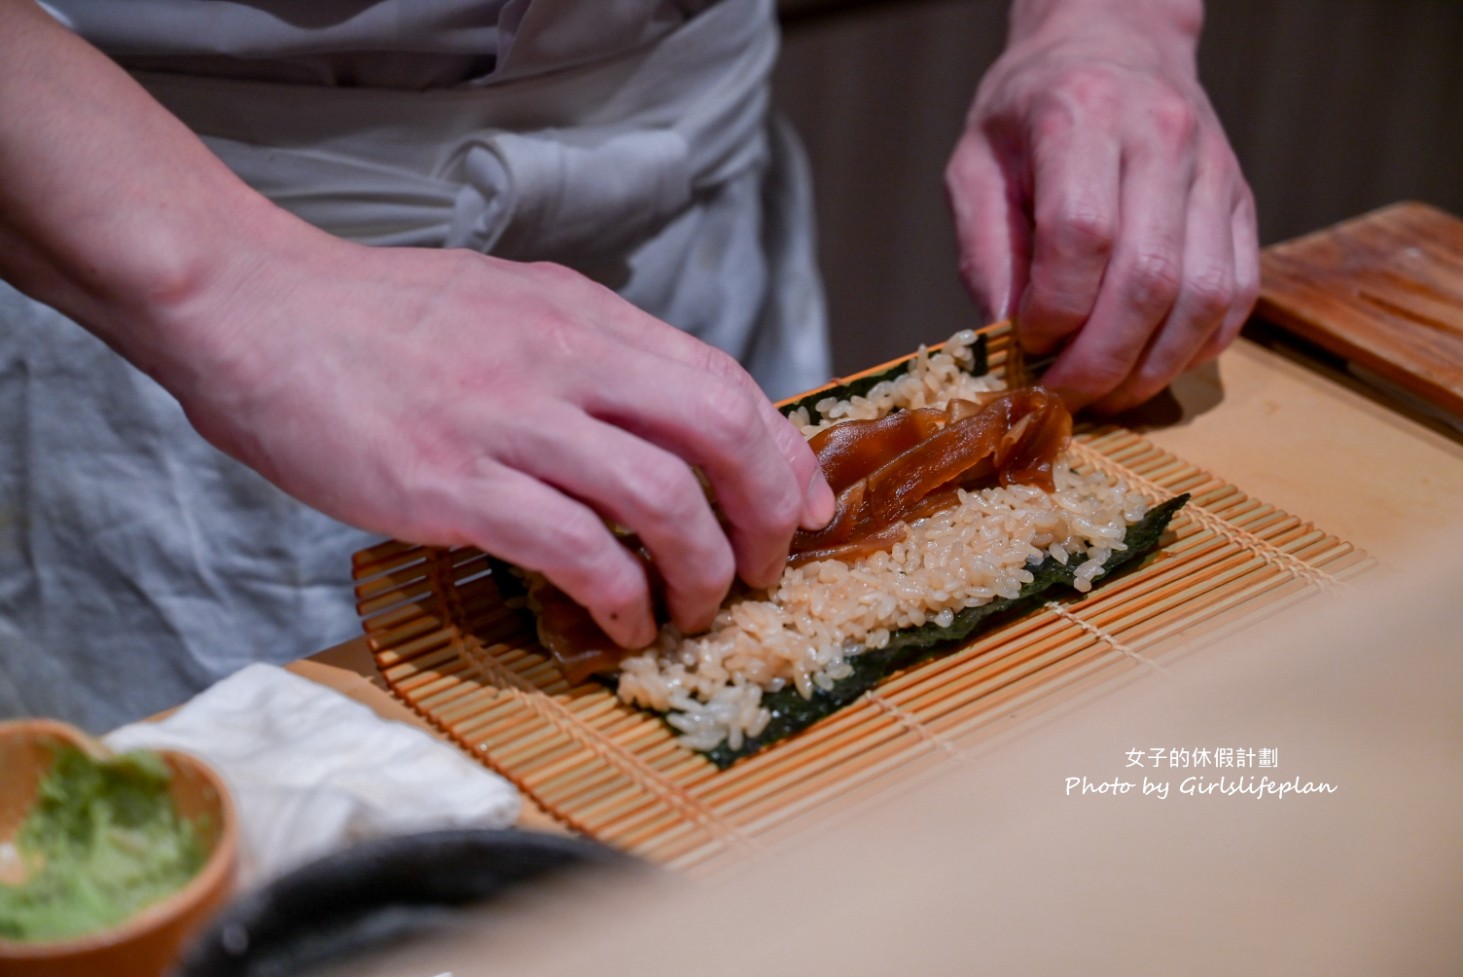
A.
x: 148, y: 943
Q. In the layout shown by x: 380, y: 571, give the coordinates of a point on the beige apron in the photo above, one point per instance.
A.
x: 137, y: 564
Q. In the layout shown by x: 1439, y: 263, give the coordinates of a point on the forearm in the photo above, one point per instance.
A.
x: 110, y: 209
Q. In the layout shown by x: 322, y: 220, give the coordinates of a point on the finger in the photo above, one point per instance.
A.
x: 1076, y: 175
x: 643, y: 488
x: 992, y: 230
x: 1206, y: 296
x: 1246, y: 244
x: 658, y: 339
x: 568, y: 543
x: 1142, y: 283
x: 718, y: 426
x: 817, y: 502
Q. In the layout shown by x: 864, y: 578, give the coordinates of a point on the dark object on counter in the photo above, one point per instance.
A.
x: 377, y: 893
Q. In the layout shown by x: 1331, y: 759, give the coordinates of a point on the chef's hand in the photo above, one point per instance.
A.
x: 1097, y: 200
x: 440, y: 397
x: 450, y: 398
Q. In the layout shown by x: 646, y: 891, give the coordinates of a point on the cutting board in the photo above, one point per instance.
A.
x: 1383, y: 291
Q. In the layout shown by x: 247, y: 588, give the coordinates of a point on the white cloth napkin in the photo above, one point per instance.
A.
x: 311, y: 770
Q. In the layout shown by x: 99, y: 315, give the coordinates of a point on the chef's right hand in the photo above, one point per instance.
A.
x: 450, y: 398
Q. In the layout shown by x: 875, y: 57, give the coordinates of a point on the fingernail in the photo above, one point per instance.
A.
x: 633, y: 634
x: 818, y: 502
x: 645, y: 632
x: 695, y: 624
x: 771, y: 573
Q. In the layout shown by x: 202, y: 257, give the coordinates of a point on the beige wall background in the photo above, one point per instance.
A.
x: 1334, y: 107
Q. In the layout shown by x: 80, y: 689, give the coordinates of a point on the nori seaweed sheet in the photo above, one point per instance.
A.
x: 791, y: 713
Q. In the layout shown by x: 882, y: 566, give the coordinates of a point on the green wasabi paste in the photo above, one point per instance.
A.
x: 102, y: 841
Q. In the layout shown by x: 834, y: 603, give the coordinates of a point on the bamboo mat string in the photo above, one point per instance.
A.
x: 1102, y: 635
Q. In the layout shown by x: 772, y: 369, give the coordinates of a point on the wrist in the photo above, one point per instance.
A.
x: 1170, y: 28
x: 181, y: 310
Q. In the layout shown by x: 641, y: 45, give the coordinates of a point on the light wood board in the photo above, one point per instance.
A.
x: 1384, y: 291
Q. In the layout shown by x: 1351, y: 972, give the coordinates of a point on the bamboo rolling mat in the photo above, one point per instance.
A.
x: 447, y: 646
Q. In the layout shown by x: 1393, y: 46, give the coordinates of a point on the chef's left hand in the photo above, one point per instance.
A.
x: 1097, y: 200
